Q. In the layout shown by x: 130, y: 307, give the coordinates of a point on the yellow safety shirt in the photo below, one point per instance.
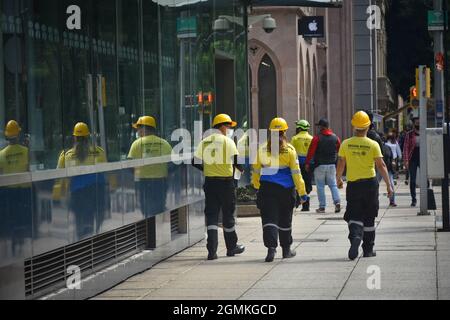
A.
x: 150, y: 147
x: 301, y: 143
x: 217, y: 153
x: 14, y: 159
x: 69, y: 159
x: 282, y: 169
x: 360, y: 154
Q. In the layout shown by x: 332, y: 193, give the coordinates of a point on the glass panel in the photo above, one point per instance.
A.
x: 267, y: 81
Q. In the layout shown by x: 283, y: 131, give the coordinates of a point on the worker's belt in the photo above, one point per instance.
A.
x: 219, y: 178
x: 364, y: 180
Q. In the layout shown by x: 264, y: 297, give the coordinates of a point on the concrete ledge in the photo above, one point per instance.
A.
x: 247, y: 210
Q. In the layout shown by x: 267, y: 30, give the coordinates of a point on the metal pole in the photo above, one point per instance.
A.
x: 445, y: 181
x: 423, y: 143
x: 438, y: 37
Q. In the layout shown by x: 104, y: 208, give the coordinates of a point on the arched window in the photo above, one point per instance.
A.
x: 267, y: 83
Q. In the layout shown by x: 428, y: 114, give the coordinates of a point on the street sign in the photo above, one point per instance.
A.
x: 437, y: 20
x: 187, y: 27
x: 311, y: 27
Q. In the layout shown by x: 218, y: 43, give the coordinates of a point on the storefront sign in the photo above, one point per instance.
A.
x: 311, y: 27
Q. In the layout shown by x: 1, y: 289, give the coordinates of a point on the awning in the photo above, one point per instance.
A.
x: 282, y: 3
x: 296, y: 3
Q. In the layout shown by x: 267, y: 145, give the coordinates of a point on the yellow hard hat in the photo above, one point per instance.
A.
x: 223, y: 118
x: 278, y: 124
x: 145, y: 121
x: 12, y: 129
x: 81, y: 129
x: 361, y: 120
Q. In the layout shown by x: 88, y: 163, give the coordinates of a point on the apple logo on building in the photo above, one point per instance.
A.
x: 313, y: 26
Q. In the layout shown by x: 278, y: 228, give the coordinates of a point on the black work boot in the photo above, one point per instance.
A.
x: 212, y: 256
x: 271, y: 252
x: 288, y: 253
x: 354, y: 248
x: 370, y: 254
x: 368, y: 244
x: 305, y: 207
x: 237, y: 250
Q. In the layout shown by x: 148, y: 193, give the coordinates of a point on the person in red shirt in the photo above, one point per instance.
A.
x: 324, y: 149
x: 411, y: 157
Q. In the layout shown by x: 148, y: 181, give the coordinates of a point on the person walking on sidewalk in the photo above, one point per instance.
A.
x: 388, y: 158
x: 324, y: 149
x: 217, y: 157
x: 278, y: 178
x: 302, y: 142
x: 411, y: 157
x: 361, y: 155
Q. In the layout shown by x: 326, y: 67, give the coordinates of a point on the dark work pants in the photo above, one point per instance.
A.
x: 220, y: 195
x: 413, y: 165
x: 362, y: 209
x: 276, y: 204
x: 307, y: 178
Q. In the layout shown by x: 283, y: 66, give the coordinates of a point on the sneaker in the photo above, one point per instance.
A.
x: 320, y: 210
x: 271, y: 254
x: 354, y: 249
x: 370, y: 254
x: 414, y: 203
x: 238, y: 250
x: 406, y: 182
x: 338, y: 208
x: 393, y: 204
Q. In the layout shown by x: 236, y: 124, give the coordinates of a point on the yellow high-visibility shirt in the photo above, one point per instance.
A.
x: 69, y: 159
x: 360, y: 154
x: 14, y: 159
x: 217, y: 153
x: 150, y: 147
x: 301, y: 143
x: 279, y: 169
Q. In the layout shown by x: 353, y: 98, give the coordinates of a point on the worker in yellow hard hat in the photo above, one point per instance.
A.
x: 217, y: 156
x: 88, y: 193
x: 361, y: 155
x: 16, y: 199
x: 301, y: 142
x: 151, y: 180
x: 277, y: 176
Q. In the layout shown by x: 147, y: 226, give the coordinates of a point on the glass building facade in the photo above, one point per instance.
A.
x: 104, y: 63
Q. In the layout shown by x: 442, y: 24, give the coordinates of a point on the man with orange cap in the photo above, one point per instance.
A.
x: 361, y: 155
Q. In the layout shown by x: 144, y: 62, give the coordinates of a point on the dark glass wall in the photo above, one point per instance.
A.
x: 129, y: 59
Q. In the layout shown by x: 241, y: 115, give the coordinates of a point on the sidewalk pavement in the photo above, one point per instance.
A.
x: 413, y: 262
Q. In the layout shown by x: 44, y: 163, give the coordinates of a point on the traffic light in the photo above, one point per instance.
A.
x: 200, y: 98
x: 427, y: 82
x: 414, y: 96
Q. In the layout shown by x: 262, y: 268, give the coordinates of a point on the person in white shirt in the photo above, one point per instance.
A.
x: 396, y: 151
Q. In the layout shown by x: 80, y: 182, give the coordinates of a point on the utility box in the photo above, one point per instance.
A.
x: 435, y: 154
